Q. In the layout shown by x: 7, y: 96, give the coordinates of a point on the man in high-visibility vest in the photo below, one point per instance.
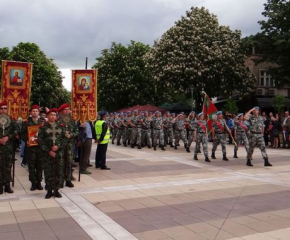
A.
x: 102, y: 138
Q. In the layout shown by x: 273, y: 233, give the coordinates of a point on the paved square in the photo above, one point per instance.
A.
x: 152, y: 195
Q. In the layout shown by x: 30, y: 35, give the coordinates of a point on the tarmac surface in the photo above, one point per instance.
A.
x: 162, y: 195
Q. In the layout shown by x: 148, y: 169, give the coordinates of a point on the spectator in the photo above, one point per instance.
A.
x: 266, y: 132
x: 275, y: 132
x: 286, y: 130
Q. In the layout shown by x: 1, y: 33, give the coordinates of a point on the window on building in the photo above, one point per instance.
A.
x: 266, y: 80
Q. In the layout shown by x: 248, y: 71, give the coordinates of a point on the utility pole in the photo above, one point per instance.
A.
x: 86, y: 67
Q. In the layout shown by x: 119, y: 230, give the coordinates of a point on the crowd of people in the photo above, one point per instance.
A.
x: 141, y: 129
x: 50, y: 141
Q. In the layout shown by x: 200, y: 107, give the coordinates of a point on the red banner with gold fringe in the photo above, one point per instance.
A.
x: 84, y: 95
x: 15, y: 89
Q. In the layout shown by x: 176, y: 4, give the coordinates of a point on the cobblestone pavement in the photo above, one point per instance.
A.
x: 152, y: 195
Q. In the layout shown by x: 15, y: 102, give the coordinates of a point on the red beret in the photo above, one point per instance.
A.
x: 52, y: 110
x: 4, y: 103
x: 63, y: 106
x: 34, y: 107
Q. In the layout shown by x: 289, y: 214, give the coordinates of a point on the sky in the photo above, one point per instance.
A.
x: 68, y: 31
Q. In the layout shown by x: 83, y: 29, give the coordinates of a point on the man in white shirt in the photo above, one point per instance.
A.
x: 286, y: 129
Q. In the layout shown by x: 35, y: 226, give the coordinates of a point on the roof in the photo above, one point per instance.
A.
x: 147, y: 107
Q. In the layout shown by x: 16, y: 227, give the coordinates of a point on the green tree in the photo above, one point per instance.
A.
x: 230, y: 106
x: 278, y: 102
x: 122, y: 77
x: 47, y: 88
x: 197, y: 52
x: 274, y: 39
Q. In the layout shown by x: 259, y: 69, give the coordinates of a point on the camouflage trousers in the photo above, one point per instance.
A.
x: 129, y: 134
x: 114, y: 134
x: 256, y: 140
x: 168, y: 135
x: 146, y: 137
x: 120, y: 134
x: 219, y: 138
x: 180, y: 134
x: 67, y: 161
x: 136, y: 136
x: 34, y: 157
x: 6, y: 158
x: 53, y: 171
x: 201, y: 138
x: 190, y: 137
x: 241, y: 138
x: 158, y: 135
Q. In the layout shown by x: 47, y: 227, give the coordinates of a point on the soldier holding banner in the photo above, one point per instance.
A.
x: 9, y: 129
x: 33, y: 154
x: 71, y: 132
x: 50, y: 138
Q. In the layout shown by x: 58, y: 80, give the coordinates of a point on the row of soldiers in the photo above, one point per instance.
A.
x: 145, y: 128
x: 48, y: 148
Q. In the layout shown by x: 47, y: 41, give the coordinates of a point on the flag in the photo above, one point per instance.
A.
x: 209, y: 111
x: 15, y: 88
x: 84, y: 95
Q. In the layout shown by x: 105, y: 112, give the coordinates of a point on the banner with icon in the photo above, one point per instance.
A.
x: 84, y: 95
x: 15, y: 88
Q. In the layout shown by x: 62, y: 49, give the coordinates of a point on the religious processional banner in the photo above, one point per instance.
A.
x: 15, y: 87
x: 84, y: 95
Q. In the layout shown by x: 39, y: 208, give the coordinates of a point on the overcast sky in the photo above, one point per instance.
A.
x: 70, y: 30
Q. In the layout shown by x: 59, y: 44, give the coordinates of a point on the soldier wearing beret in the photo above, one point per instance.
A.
x: 71, y: 132
x: 33, y: 153
x: 50, y: 138
x: 256, y: 135
x: 7, y: 134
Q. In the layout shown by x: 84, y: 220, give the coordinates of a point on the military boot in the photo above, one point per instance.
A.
x: 125, y: 145
x: 118, y: 143
x: 57, y: 194
x: 171, y: 145
x: 225, y: 157
x: 132, y: 145
x: 213, y: 155
x: 112, y: 141
x: 38, y: 186
x: 69, y: 184
x: 195, y: 157
x: 154, y: 148
x: 33, y: 187
x: 249, y: 163
x: 235, y: 154
x: 8, y: 189
x: 188, y: 150
x: 175, y: 147
x: 49, y: 194
x: 149, y: 146
x: 139, y: 147
x: 266, y: 163
x: 162, y: 148
x: 1, y: 189
x: 207, y: 159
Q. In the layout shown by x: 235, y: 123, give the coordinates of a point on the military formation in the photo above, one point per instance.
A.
x: 49, y: 141
x: 141, y: 129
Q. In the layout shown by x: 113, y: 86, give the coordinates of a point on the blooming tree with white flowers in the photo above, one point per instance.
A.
x: 197, y: 54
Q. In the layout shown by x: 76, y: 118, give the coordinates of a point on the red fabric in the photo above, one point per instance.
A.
x: 202, y: 126
x: 4, y: 103
x: 209, y: 110
x: 52, y: 110
x: 220, y: 126
x: 144, y: 108
x: 34, y: 107
x: 242, y: 125
x: 63, y: 106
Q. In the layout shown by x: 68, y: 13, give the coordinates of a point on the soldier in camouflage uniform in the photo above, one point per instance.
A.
x: 121, y: 129
x: 113, y: 127
x: 256, y: 135
x: 71, y: 132
x: 136, y: 122
x: 168, y: 129
x: 158, y: 134
x: 219, y: 128
x: 8, y: 132
x: 241, y: 134
x: 180, y: 132
x: 191, y: 121
x: 146, y: 128
x: 129, y: 127
x: 51, y: 138
x: 33, y: 153
x: 117, y: 126
x: 200, y: 136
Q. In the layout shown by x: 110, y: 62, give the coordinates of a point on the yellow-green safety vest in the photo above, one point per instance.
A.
x: 98, y: 128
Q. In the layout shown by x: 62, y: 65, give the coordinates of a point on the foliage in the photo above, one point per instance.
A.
x: 122, y: 78
x: 230, y: 106
x: 274, y: 39
x: 278, y: 102
x: 197, y: 52
x: 46, y: 89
